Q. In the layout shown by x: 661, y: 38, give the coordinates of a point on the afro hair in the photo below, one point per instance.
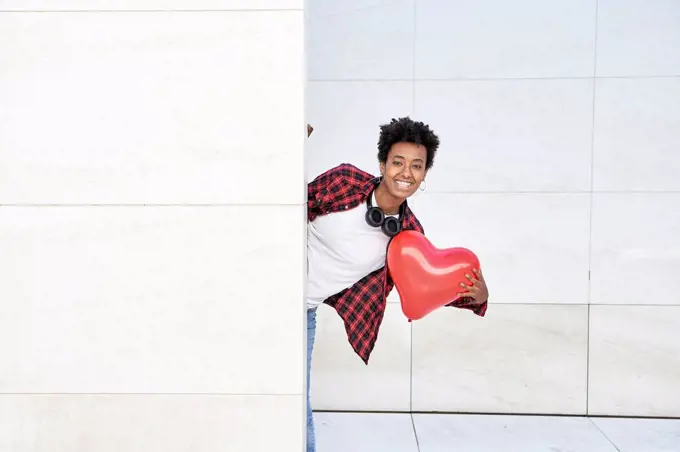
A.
x: 409, y: 131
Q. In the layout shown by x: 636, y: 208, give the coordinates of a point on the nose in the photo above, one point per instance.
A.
x: 406, y: 172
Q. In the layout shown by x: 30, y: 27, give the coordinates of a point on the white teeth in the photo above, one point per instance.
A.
x: 404, y: 184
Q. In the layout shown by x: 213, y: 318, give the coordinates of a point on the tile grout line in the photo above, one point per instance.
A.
x: 415, y: 433
x: 590, y: 216
x: 413, y: 68
x: 496, y: 413
x: 604, y: 434
x: 179, y: 10
x: 159, y: 394
x: 589, y: 192
x: 548, y: 303
x: 154, y: 205
x: 491, y: 79
x: 413, y: 109
x: 410, y: 376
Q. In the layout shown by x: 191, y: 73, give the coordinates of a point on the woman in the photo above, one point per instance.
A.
x: 351, y: 217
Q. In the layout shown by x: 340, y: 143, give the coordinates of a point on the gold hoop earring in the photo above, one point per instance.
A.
x: 421, y: 185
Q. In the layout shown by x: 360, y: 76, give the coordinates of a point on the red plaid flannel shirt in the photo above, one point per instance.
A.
x: 361, y: 306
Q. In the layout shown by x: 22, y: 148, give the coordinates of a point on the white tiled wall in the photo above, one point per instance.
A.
x: 162, y: 107
x: 343, y: 382
x: 638, y: 38
x: 149, y: 5
x: 151, y: 225
x: 527, y: 256
x: 633, y: 359
x: 340, y: 138
x: 559, y: 166
x: 636, y: 134
x: 360, y: 39
x: 635, y: 242
x: 494, y: 39
x: 499, y: 364
x: 150, y: 299
x: 509, y: 135
x: 150, y: 422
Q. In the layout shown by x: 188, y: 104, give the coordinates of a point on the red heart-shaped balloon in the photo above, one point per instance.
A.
x: 426, y: 277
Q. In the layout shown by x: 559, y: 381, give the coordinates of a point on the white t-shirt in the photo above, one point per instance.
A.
x: 341, y: 249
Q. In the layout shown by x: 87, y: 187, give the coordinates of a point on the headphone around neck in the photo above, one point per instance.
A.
x: 375, y: 217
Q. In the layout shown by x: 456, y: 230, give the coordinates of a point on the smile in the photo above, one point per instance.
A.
x: 404, y: 184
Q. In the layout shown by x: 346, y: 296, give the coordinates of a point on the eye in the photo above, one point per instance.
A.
x: 417, y: 166
x: 396, y: 163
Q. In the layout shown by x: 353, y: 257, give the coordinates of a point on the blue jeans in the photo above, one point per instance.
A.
x: 311, y: 333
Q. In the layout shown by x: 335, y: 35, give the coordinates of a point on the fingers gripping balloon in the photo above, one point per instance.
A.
x: 426, y: 277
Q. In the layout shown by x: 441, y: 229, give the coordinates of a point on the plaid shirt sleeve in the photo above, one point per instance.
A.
x: 467, y: 303
x: 325, y: 191
x: 315, y: 190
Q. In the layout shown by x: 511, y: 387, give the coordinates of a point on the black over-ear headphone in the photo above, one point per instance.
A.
x: 375, y: 217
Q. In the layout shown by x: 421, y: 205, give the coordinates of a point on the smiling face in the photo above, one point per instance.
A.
x: 404, y: 169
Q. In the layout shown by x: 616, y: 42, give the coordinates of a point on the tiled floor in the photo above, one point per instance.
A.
x: 371, y: 432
